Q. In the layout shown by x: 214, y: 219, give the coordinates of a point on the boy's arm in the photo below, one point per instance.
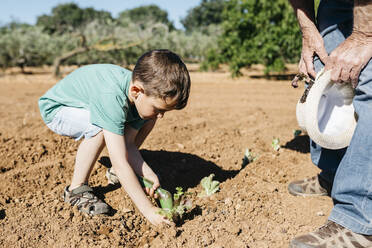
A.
x: 118, y: 155
x: 141, y: 135
x: 133, y: 139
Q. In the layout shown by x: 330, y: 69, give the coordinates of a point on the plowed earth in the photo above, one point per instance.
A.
x: 223, y: 118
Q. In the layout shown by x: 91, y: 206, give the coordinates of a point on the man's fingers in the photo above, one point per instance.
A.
x: 335, y: 74
x: 323, y: 55
x: 345, y: 74
x: 354, y: 76
x: 308, y: 60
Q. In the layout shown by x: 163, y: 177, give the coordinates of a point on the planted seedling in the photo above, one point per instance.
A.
x: 249, y: 157
x: 209, y: 185
x: 275, y: 144
x: 174, y: 207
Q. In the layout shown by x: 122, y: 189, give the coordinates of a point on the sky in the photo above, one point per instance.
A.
x: 28, y: 10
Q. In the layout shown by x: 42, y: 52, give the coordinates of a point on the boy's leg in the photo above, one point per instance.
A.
x: 74, y: 123
x: 86, y: 156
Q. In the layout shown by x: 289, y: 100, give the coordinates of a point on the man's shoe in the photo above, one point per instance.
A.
x: 315, y: 186
x: 332, y: 235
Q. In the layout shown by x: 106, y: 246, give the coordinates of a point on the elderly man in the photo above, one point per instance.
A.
x: 340, y: 40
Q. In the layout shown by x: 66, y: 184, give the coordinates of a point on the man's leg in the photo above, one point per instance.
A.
x: 350, y: 221
x: 334, y: 32
x: 349, y: 224
x: 352, y: 191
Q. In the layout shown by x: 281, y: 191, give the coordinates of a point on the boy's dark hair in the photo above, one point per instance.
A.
x: 164, y: 75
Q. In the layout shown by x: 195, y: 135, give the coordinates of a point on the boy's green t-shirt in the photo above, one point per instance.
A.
x: 102, y: 89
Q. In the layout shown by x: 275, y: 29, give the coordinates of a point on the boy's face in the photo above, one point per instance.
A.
x: 149, y: 107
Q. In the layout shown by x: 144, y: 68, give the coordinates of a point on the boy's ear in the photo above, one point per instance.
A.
x: 135, y: 89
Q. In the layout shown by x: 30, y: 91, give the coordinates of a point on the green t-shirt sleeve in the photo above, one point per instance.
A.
x: 109, y: 112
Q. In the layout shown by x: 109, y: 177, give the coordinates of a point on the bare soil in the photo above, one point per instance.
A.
x: 223, y: 118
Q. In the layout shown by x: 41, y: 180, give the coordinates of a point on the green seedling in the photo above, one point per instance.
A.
x: 249, y: 157
x: 296, y: 132
x: 275, y: 144
x: 174, y: 207
x: 180, y: 205
x: 209, y: 186
x: 165, y: 197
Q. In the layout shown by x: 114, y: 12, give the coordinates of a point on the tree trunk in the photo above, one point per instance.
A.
x: 59, y: 60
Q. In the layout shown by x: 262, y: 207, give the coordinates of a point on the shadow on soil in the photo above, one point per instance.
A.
x: 2, y: 214
x: 177, y: 169
x: 300, y: 143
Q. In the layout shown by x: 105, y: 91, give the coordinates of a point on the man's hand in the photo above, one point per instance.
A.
x: 349, y: 58
x: 312, y: 44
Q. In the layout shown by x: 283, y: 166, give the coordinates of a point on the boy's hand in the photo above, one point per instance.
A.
x: 150, y: 175
x: 155, y: 218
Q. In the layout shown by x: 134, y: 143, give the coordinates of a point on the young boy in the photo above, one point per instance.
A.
x: 109, y: 105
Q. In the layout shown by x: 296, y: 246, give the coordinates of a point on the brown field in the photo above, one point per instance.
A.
x: 223, y: 118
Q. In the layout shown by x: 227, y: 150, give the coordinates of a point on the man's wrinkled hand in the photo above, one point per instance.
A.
x: 349, y: 58
x: 312, y: 44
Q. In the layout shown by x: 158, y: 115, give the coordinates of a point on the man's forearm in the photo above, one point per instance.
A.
x: 363, y: 17
x: 304, y: 11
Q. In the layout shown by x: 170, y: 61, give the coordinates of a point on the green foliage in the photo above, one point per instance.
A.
x: 258, y: 32
x: 70, y: 17
x: 209, y: 185
x: 180, y: 205
x: 118, y: 41
x: 145, y: 15
x: 29, y: 46
x: 248, y: 158
x: 275, y: 144
x: 200, y: 17
x: 171, y: 207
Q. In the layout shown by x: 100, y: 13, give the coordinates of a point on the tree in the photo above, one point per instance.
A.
x: 145, y: 15
x: 69, y: 17
x: 23, y: 45
x: 257, y: 32
x: 207, y: 13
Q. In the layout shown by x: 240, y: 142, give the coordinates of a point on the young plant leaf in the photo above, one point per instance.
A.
x: 249, y: 157
x: 209, y: 185
x: 275, y: 144
x: 174, y: 207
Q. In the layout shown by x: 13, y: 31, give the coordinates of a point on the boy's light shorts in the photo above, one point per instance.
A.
x: 74, y: 123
